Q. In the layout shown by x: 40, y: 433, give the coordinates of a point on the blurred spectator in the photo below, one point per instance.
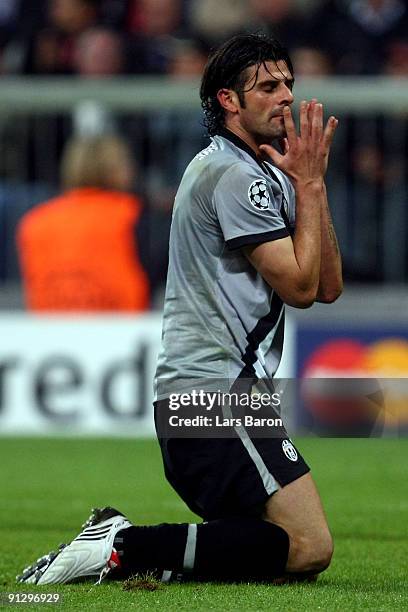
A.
x: 272, y: 11
x: 19, y: 19
x: 214, y: 21
x: 369, y: 164
x: 9, y: 10
x: 160, y: 17
x: 77, y: 251
x: 50, y: 48
x: 357, y: 34
x: 23, y: 16
x: 188, y: 59
x: 310, y: 62
x: 155, y: 17
x: 91, y: 118
x: 396, y: 63
x: 155, y: 26
x: 282, y: 19
x: 99, y: 52
x: 73, y: 16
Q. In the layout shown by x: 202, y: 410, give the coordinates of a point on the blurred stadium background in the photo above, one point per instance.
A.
x: 132, y: 67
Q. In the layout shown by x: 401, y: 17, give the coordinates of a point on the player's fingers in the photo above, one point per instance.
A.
x: 329, y: 133
x: 285, y: 145
x: 289, y: 126
x: 271, y: 152
x: 317, y: 123
x: 310, y: 111
x: 304, y: 120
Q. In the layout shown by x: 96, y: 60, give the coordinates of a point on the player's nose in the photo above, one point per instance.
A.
x: 286, y: 94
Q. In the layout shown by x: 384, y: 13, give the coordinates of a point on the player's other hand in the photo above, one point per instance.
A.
x: 305, y: 155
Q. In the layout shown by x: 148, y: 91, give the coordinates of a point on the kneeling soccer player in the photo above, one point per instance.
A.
x: 251, y: 231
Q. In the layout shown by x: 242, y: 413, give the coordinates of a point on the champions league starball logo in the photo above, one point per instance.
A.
x: 258, y: 194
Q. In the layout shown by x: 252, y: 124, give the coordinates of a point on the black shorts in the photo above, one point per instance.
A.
x: 230, y: 476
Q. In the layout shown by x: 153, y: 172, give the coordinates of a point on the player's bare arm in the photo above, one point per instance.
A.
x: 293, y: 267
x: 331, y: 277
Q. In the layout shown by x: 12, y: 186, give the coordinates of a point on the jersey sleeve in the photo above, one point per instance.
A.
x: 247, y: 208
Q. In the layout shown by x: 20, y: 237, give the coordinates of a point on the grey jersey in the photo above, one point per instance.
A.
x: 221, y: 319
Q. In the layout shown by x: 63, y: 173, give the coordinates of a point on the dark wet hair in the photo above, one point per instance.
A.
x: 226, y: 67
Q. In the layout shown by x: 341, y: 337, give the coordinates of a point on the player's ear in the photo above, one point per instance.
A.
x: 229, y: 100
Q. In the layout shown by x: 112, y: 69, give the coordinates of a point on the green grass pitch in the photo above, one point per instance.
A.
x: 49, y: 485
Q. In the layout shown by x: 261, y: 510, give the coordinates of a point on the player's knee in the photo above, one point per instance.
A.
x: 308, y: 554
x: 323, y: 553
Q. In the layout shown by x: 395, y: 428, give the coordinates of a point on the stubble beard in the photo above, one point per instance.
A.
x: 266, y: 131
x: 267, y: 136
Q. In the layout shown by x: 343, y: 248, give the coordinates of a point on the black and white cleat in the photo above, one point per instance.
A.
x: 90, y: 554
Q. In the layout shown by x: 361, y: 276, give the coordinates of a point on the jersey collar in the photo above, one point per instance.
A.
x: 238, y: 142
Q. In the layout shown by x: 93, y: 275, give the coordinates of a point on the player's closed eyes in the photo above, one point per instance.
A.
x: 269, y: 87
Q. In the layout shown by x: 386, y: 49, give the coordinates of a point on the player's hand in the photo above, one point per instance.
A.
x: 305, y: 155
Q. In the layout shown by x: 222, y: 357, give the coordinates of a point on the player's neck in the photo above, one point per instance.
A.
x: 238, y: 137
x: 245, y: 137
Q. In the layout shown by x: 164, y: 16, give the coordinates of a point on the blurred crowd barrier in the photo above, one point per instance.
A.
x: 162, y: 121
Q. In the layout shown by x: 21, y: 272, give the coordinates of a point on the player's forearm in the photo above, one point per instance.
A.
x: 331, y: 277
x: 307, y: 237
